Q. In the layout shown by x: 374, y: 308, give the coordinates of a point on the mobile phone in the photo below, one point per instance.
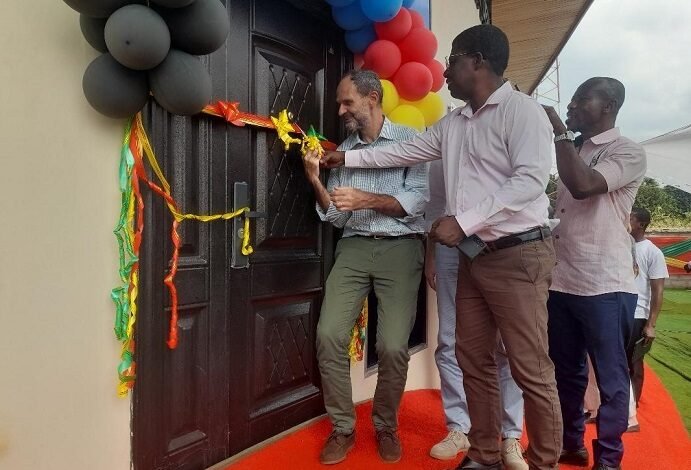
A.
x: 471, y: 246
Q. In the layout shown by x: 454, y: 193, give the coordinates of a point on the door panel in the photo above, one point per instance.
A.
x: 245, y: 366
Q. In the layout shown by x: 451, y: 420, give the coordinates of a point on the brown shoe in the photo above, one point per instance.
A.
x: 388, y: 445
x: 336, y: 447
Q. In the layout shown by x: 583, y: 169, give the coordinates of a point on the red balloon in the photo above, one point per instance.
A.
x: 418, y: 20
x: 413, y: 81
x: 420, y: 45
x: 383, y: 57
x: 437, y: 70
x: 396, y: 28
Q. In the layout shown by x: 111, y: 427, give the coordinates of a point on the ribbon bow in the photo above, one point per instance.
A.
x: 312, y: 142
x: 283, y: 129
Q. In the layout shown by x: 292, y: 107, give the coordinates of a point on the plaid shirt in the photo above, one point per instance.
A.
x: 407, y: 185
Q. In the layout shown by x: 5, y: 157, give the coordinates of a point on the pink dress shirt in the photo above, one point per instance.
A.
x: 496, y: 163
x: 592, y: 241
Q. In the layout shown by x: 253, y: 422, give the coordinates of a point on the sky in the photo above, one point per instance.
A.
x: 646, y: 44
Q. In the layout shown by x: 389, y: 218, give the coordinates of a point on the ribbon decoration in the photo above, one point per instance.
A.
x: 230, y: 111
x: 674, y: 262
x: 135, y: 147
x: 284, y: 128
x: 356, y: 347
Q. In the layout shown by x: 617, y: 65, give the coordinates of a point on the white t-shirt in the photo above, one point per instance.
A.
x: 651, y: 265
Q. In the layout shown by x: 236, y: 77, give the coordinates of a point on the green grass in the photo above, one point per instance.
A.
x: 670, y: 356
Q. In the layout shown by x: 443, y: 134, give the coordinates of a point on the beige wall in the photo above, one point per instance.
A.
x: 449, y: 17
x: 59, y: 203
x: 59, y: 200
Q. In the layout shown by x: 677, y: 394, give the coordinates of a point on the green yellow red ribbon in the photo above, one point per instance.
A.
x: 129, y: 229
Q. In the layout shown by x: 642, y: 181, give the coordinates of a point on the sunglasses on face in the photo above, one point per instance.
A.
x: 449, y: 63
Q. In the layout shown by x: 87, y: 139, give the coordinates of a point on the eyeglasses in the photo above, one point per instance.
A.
x: 458, y: 54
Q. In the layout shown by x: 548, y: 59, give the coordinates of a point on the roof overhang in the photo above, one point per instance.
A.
x: 537, y: 31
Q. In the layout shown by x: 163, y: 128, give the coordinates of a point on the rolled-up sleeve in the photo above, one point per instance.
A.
x: 333, y: 215
x: 415, y: 194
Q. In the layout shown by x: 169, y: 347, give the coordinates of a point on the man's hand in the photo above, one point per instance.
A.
x: 311, y: 162
x: 559, y: 127
x: 649, y: 333
x: 349, y: 199
x: 333, y: 159
x: 446, y: 231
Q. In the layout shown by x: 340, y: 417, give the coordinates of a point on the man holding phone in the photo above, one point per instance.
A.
x: 496, y: 153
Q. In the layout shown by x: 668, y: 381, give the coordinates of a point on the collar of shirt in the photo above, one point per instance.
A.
x: 386, y: 132
x: 499, y: 95
x: 606, y: 137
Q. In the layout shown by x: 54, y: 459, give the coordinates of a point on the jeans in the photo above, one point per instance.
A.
x: 452, y: 393
x: 601, y: 326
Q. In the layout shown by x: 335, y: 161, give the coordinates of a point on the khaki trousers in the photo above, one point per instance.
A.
x: 507, y: 291
x: 393, y: 269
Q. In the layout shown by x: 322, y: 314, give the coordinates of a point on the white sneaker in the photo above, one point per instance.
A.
x: 512, y: 455
x: 454, y: 442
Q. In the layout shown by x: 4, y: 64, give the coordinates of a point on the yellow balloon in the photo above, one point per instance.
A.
x: 390, y: 98
x: 431, y: 107
x: 408, y: 115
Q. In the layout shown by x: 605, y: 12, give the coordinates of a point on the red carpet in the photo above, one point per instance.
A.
x: 662, y: 444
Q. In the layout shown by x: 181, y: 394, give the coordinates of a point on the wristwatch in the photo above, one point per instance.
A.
x: 568, y: 135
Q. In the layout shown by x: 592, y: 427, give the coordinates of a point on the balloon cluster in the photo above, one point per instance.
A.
x: 150, y: 49
x: 392, y: 40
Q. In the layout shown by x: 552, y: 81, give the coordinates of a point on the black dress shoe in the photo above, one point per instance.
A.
x: 468, y: 464
x: 602, y: 466
x: 575, y: 457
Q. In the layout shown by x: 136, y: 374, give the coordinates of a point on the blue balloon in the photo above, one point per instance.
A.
x: 358, y: 40
x: 350, y: 17
x: 408, y: 3
x: 380, y: 10
x: 339, y: 3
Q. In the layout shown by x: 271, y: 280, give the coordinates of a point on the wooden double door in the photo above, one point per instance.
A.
x: 245, y: 367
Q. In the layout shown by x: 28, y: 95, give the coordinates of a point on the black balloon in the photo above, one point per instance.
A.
x: 181, y: 84
x: 114, y: 90
x: 200, y: 28
x: 172, y: 3
x: 137, y: 37
x: 92, y: 29
x: 98, y: 8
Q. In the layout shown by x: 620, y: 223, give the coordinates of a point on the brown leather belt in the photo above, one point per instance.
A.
x: 537, y: 233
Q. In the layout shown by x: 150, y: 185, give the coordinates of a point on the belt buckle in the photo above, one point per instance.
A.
x: 378, y: 237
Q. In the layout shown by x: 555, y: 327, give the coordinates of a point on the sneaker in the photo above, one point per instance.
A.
x: 336, y: 447
x: 512, y: 455
x: 388, y: 445
x: 455, y: 441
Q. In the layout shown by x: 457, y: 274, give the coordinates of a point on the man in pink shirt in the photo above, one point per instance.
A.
x: 496, y: 154
x: 593, y: 293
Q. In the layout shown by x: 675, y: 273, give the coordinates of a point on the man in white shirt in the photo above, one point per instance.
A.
x: 652, y: 272
x: 496, y: 153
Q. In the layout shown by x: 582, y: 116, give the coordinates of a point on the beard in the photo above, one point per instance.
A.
x: 355, y: 122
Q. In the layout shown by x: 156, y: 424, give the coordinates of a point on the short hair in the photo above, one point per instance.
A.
x: 643, y: 215
x: 366, y: 81
x: 489, y: 41
x: 608, y: 88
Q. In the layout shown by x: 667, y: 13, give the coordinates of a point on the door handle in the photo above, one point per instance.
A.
x: 238, y: 259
